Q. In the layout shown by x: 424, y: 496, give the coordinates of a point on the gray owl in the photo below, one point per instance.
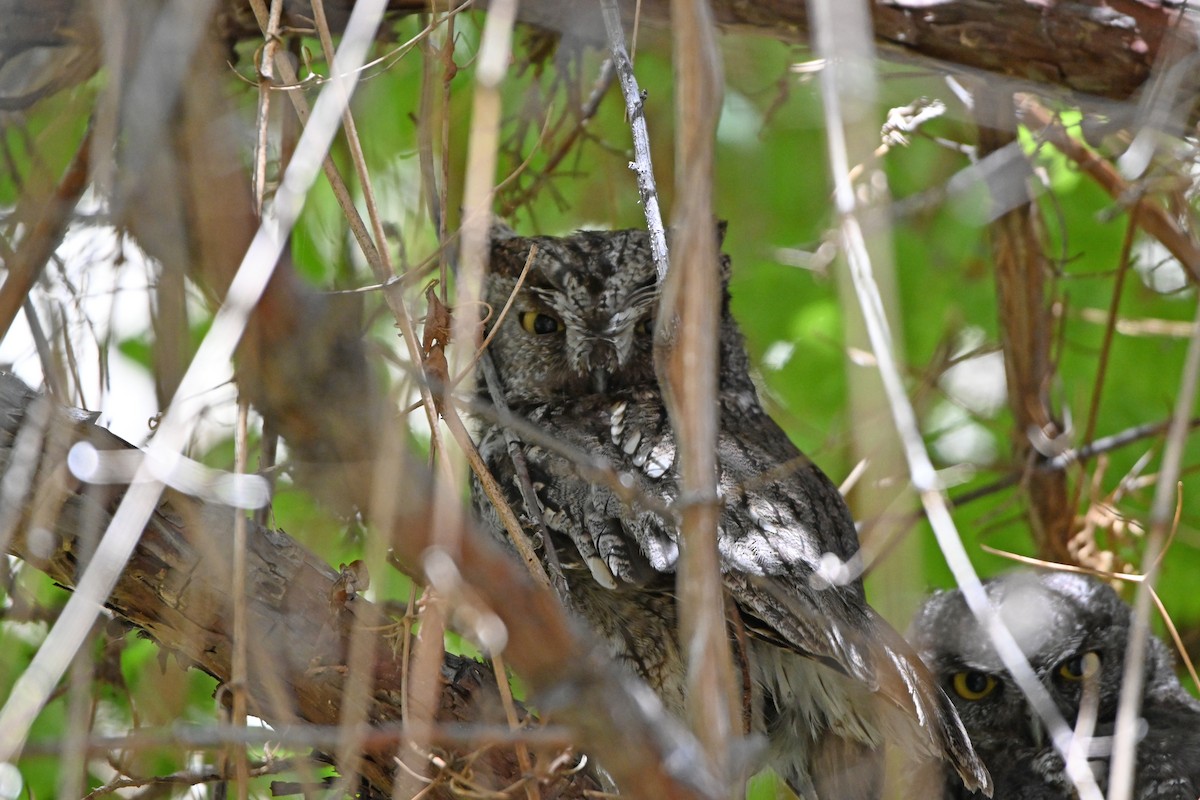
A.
x: 1074, y: 630
x: 827, y: 680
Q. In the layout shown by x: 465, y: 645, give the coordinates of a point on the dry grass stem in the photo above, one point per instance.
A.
x: 1121, y: 773
x: 239, y: 668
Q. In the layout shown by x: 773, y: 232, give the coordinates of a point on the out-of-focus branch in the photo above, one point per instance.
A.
x: 1152, y: 217
x: 46, y: 211
x: 687, y: 364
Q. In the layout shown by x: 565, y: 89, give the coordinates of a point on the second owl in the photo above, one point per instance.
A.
x: 1074, y: 630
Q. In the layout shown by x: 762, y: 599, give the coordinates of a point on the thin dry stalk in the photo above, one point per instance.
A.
x: 446, y: 733
x: 514, y: 724
x: 266, y: 76
x: 1124, y: 756
x: 687, y: 368
x: 239, y: 671
x: 443, y: 187
x: 80, y: 709
x: 921, y: 471
x: 1110, y: 328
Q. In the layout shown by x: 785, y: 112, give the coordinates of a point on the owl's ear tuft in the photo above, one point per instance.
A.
x: 500, y: 231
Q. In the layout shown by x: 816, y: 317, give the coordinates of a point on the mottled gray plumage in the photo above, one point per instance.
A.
x: 1074, y: 630
x: 829, y: 682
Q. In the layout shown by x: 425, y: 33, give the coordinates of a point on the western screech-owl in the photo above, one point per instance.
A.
x: 829, y: 682
x: 1074, y: 630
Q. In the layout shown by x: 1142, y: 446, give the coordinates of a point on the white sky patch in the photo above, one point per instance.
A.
x: 978, y: 383
x: 778, y: 354
x: 740, y: 121
x: 103, y: 289
x: 961, y: 438
x: 1159, y: 270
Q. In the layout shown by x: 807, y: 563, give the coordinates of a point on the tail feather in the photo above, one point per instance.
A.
x: 855, y: 641
x: 909, y: 685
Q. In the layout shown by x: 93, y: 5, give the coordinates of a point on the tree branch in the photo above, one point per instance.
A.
x: 1103, y: 48
x: 301, y: 614
x: 1021, y: 271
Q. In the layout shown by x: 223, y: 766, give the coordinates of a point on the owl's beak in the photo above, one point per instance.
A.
x: 1036, y: 728
x: 599, y: 380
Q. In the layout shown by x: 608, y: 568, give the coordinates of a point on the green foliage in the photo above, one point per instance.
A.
x: 773, y: 188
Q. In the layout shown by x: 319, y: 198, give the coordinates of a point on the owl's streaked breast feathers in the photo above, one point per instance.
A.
x: 575, y: 357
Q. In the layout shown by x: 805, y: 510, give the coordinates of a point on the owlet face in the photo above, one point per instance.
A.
x: 1072, y: 628
x: 582, y: 321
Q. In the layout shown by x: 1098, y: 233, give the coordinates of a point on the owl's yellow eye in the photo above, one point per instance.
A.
x: 539, y: 323
x: 646, y: 326
x: 1080, y: 667
x: 972, y: 685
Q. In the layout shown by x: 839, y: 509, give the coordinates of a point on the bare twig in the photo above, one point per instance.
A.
x: 238, y: 671
x: 642, y: 164
x: 266, y: 74
x: 510, y: 713
x: 1153, y: 218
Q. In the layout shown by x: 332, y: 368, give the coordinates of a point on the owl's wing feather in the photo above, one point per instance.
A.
x: 777, y: 532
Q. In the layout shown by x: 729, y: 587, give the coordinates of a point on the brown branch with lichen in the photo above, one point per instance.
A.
x: 301, y: 614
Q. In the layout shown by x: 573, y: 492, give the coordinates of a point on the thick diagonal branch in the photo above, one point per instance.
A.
x: 176, y: 588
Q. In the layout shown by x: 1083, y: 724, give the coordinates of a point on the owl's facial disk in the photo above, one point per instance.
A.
x: 581, y: 321
x: 603, y: 331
